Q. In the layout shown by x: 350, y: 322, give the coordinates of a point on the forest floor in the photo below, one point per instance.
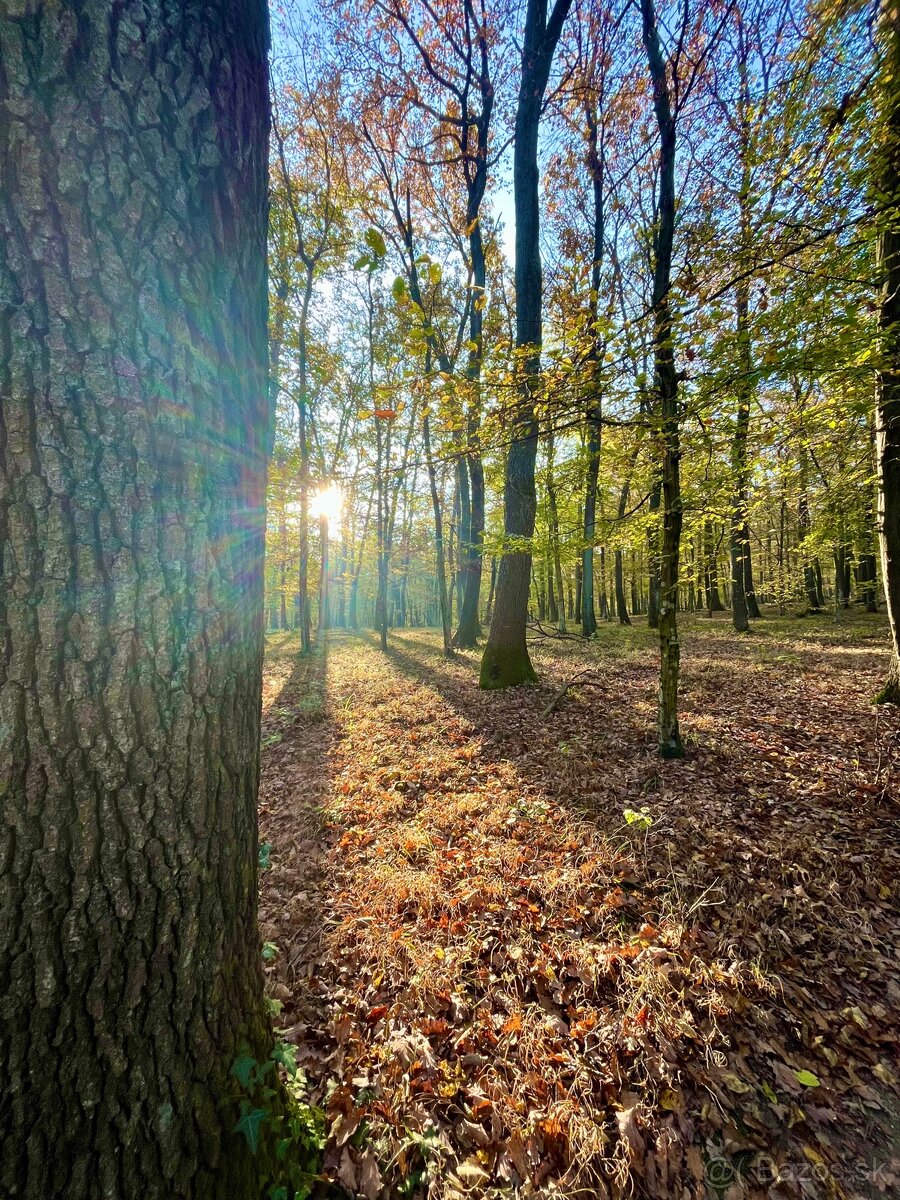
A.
x: 520, y: 956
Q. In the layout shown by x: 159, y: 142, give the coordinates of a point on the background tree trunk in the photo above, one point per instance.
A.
x: 469, y: 629
x: 887, y: 415
x: 596, y: 165
x: 440, y: 565
x: 739, y: 545
x: 133, y: 447
x: 506, y: 661
x: 711, y: 571
x: 749, y: 586
x: 669, y: 738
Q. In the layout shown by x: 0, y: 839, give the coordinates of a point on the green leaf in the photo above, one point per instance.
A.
x: 269, y: 951
x: 434, y: 273
x: 264, y: 851
x: 286, y: 1055
x: 249, y: 1123
x: 243, y: 1069
x: 279, y: 1193
x: 807, y: 1078
x: 398, y: 288
x: 375, y: 242
x: 362, y: 261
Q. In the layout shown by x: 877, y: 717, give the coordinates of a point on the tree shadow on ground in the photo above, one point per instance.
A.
x: 775, y: 823
x: 766, y: 848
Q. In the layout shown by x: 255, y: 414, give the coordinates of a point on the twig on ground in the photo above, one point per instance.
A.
x: 577, y: 680
x: 543, y: 632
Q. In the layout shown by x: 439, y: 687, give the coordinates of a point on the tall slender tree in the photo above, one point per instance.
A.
x: 666, y: 382
x: 506, y: 661
x: 886, y: 181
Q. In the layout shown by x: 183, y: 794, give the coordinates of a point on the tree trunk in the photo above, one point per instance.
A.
x: 841, y: 597
x: 303, y: 434
x: 324, y: 569
x: 552, y: 607
x: 588, y: 616
x: 492, y: 586
x: 669, y: 738
x: 804, y: 525
x: 462, y: 512
x: 621, y: 606
x: 353, y: 615
x: 886, y: 185
x: 540, y: 588
x: 283, y: 568
x: 739, y: 543
x: 653, y: 541
x: 440, y: 567
x: 133, y: 445
x: 596, y: 165
x: 738, y: 546
x: 749, y: 589
x: 469, y: 629
x: 506, y: 661
x: 341, y: 606
x: 711, y: 573
x: 554, y: 566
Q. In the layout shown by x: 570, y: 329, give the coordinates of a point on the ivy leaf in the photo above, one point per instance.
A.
x: 243, y: 1069
x: 249, y: 1123
x: 286, y: 1056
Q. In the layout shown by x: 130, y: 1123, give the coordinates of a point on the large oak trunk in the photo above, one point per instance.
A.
x: 133, y: 427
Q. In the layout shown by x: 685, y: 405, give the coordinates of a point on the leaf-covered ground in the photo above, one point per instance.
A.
x: 519, y: 956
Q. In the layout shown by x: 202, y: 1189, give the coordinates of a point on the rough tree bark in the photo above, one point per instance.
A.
x: 133, y: 441
x: 506, y: 661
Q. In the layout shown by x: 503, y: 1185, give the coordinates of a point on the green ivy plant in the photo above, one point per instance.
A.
x: 298, y: 1129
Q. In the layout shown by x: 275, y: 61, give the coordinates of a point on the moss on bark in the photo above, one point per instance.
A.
x: 503, y: 667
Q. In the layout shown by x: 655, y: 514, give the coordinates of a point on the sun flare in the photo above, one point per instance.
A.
x: 328, y: 502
